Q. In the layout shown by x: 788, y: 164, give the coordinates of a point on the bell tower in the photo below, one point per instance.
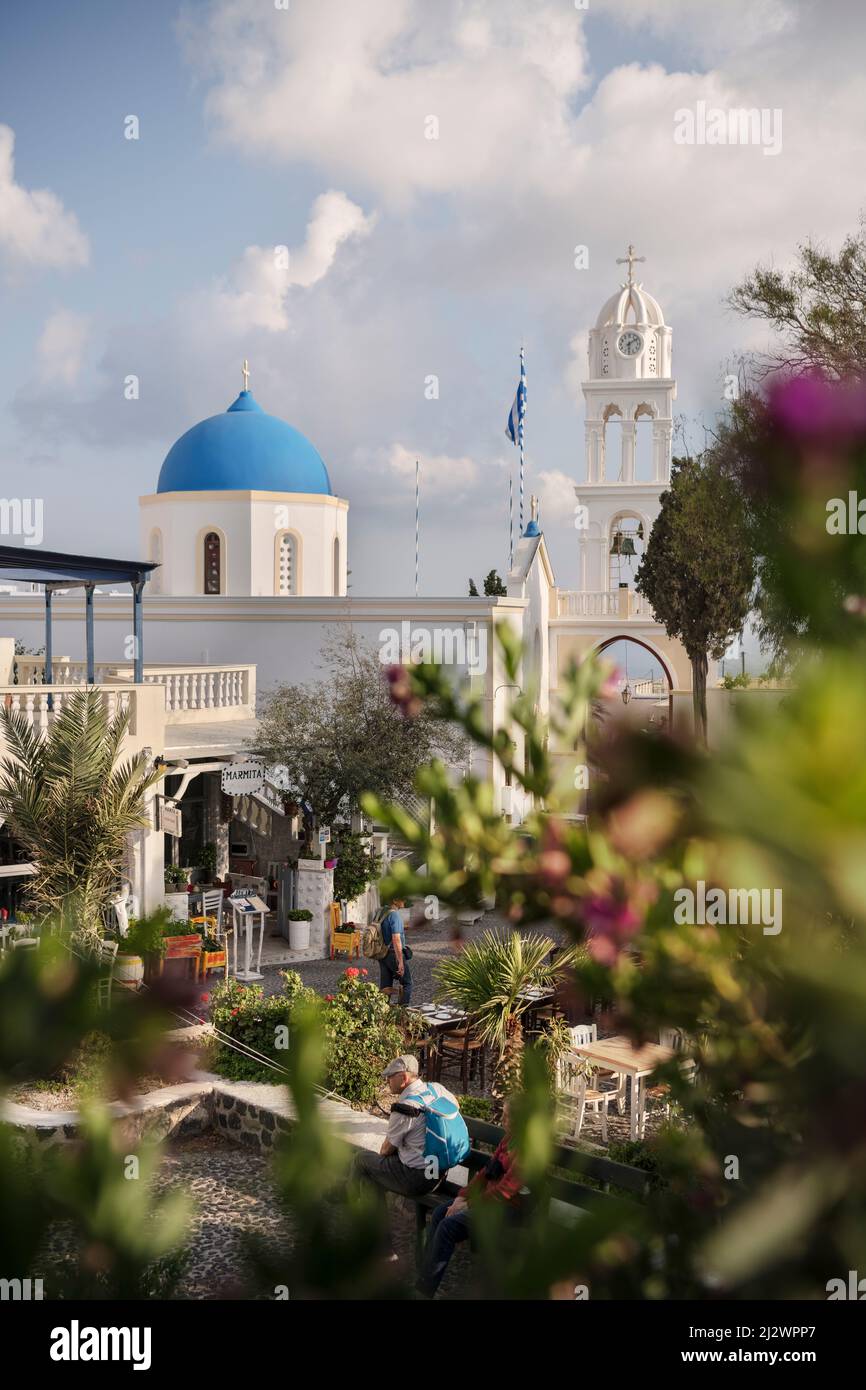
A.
x: 630, y: 389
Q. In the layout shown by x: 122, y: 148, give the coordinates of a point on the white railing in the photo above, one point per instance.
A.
x: 646, y: 688
x: 35, y: 702
x: 193, y: 689
x: 191, y: 692
x: 604, y: 603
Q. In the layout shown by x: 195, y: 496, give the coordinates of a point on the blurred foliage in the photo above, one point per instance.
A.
x: 82, y: 1215
x: 763, y: 1185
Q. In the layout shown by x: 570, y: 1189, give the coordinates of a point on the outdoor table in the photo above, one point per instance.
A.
x: 248, y: 913
x: 620, y: 1056
x: 438, y: 1018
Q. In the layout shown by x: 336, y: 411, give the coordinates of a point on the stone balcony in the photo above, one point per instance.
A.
x: 195, y: 694
x: 621, y: 604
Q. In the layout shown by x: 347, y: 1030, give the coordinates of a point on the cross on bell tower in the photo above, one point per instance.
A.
x: 245, y: 373
x: 630, y: 260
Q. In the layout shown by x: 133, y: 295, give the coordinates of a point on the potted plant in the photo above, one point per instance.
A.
x: 208, y: 863
x: 142, y: 948
x: 299, y: 928
x: 176, y: 896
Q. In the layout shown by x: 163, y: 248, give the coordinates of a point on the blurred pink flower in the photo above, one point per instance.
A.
x: 811, y: 407
x: 611, y: 923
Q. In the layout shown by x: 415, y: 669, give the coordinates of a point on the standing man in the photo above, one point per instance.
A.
x: 395, y: 965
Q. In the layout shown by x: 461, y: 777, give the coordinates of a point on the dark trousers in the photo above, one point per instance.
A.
x: 446, y: 1233
x: 385, y: 1173
x: 388, y: 974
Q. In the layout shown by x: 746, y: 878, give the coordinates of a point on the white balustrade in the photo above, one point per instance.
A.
x: 604, y: 603
x: 189, y: 690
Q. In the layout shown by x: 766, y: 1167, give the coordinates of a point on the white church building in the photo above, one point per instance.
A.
x: 251, y: 541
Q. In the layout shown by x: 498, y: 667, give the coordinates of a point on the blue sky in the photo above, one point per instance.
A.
x: 152, y: 256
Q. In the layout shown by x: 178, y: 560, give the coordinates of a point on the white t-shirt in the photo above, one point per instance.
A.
x: 407, y: 1132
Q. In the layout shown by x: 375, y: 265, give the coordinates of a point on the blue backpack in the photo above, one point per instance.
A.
x: 447, y: 1138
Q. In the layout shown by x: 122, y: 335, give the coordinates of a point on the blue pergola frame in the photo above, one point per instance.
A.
x: 58, y: 571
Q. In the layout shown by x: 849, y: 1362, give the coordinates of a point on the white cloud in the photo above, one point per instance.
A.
x: 61, y: 347
x: 353, y: 86
x: 35, y: 228
x: 256, y: 294
x: 555, y: 492
x: 442, y: 476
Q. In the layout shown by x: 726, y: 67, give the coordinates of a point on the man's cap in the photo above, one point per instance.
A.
x: 409, y: 1064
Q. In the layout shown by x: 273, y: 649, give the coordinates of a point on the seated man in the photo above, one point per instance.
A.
x: 451, y: 1224
x: 395, y: 966
x: 399, y: 1166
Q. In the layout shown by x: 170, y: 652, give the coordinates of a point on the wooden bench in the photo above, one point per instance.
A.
x: 571, y: 1193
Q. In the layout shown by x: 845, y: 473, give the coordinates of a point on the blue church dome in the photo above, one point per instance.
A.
x: 243, y: 450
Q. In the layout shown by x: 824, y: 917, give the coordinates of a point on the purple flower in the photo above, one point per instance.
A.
x: 810, y: 407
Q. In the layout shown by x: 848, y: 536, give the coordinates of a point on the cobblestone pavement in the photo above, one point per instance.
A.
x: 430, y: 943
x: 235, y: 1198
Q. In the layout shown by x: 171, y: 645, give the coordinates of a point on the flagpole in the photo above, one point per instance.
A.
x: 510, y: 521
x: 520, y: 414
x: 417, y: 522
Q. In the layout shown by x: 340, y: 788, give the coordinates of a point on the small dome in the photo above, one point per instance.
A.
x: 243, y: 450
x: 635, y: 300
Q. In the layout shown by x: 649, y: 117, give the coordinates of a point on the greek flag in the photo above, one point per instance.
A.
x: 514, y: 428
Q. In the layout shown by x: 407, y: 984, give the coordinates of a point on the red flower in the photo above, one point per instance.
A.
x: 204, y: 998
x: 351, y: 973
x: 365, y: 972
x: 329, y: 996
x: 235, y: 1013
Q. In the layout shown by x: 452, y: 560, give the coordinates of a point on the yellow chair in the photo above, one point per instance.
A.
x: 344, y: 942
x: 211, y: 922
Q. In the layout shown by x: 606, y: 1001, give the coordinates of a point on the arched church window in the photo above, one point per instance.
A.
x: 212, y: 563
x: 287, y: 564
x: 336, y: 565
x: 155, y: 558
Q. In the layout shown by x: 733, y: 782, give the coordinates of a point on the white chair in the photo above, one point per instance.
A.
x: 107, y: 957
x: 582, y: 1034
x: 673, y: 1038
x: 575, y: 1080
x: 26, y: 943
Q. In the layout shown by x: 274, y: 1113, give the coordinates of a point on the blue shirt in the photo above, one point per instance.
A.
x: 392, y: 925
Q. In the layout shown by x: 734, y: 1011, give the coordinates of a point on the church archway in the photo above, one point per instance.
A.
x: 155, y: 557
x: 211, y: 561
x: 645, y: 685
x: 287, y: 563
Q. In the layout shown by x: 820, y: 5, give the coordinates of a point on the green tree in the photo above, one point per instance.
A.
x: 493, y: 585
x: 336, y: 738
x: 818, y: 308
x: 70, y: 802
x: 489, y: 979
x: 698, y: 569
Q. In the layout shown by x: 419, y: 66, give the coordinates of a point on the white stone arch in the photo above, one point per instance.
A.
x: 288, y: 562
x: 613, y: 410
x: 618, y: 569
x: 155, y: 556
x: 200, y: 542
x: 655, y: 652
